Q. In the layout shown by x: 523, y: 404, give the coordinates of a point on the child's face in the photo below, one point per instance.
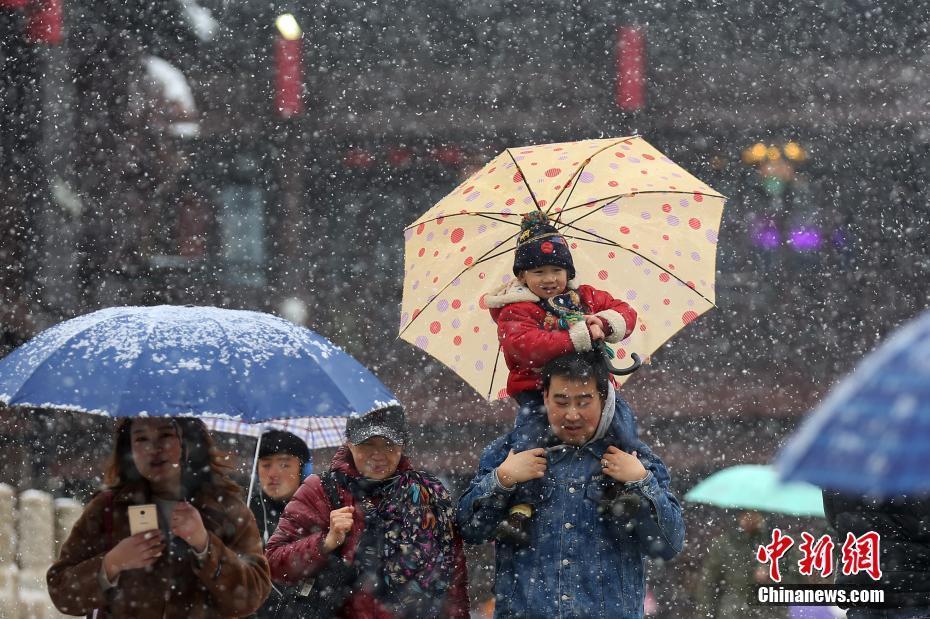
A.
x: 545, y: 282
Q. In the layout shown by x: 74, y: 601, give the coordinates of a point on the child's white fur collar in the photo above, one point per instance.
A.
x: 514, y: 292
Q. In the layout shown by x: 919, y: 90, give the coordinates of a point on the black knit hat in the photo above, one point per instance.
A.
x: 540, y: 244
x: 388, y: 422
x: 276, y: 442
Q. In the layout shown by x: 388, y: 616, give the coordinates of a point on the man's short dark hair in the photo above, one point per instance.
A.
x: 276, y: 442
x: 579, y: 366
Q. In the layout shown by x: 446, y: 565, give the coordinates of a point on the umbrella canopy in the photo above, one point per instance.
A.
x: 872, y: 433
x: 639, y: 227
x: 231, y: 368
x: 757, y: 487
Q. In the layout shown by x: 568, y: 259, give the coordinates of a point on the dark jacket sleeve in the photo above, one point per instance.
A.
x: 484, y: 504
x: 235, y: 571
x: 73, y: 583
x: 295, y: 551
x: 457, y: 605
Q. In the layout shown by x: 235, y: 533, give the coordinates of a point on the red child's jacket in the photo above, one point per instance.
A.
x: 530, y: 340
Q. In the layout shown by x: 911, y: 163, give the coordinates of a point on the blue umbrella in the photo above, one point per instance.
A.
x: 240, y: 371
x: 872, y: 433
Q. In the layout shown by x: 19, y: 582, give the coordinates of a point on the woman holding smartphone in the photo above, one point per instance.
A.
x: 203, y: 558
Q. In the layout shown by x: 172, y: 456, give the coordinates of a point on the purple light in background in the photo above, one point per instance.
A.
x: 806, y: 239
x: 766, y: 237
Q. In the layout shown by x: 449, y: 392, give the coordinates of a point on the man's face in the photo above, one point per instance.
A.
x: 279, y: 475
x: 750, y: 521
x: 574, y: 409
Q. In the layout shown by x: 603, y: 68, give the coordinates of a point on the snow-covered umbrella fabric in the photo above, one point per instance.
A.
x: 239, y: 370
x: 872, y: 434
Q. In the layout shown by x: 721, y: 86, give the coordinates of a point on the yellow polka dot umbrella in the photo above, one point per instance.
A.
x: 639, y: 226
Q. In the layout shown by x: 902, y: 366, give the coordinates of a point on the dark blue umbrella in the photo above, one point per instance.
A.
x: 237, y: 370
x: 206, y: 362
x: 872, y: 433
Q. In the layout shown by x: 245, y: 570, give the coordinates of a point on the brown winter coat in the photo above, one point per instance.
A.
x: 233, y: 580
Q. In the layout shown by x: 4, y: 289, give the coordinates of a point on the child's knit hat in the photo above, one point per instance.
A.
x: 540, y: 244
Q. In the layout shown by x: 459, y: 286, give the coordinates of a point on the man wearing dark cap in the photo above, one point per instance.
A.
x: 281, y: 460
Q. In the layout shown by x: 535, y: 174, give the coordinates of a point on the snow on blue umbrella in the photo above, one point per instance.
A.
x: 872, y: 434
x: 240, y: 371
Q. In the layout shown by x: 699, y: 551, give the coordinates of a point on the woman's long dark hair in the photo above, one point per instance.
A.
x: 204, y: 469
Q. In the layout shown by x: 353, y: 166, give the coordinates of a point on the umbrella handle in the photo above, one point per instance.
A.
x: 637, y: 362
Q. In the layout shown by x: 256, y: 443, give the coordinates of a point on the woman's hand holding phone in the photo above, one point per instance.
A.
x: 134, y: 552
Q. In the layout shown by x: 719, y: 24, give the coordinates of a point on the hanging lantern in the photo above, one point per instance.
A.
x: 631, y: 68
x: 44, y: 22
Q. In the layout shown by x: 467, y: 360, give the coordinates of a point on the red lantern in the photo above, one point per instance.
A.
x: 44, y: 24
x: 288, y: 57
x: 631, y: 68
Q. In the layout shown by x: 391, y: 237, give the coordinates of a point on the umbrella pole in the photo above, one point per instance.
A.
x: 258, y: 446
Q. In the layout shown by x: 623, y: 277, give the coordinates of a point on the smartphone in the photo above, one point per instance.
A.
x: 142, y: 518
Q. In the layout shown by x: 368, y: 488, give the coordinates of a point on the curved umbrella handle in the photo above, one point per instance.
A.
x: 637, y: 362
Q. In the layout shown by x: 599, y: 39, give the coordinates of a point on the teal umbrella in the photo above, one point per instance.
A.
x: 756, y: 486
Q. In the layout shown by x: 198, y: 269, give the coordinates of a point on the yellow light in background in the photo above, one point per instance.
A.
x: 288, y: 27
x: 754, y: 154
x: 772, y: 153
x: 794, y: 152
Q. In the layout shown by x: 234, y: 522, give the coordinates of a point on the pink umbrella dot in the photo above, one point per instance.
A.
x: 422, y: 342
